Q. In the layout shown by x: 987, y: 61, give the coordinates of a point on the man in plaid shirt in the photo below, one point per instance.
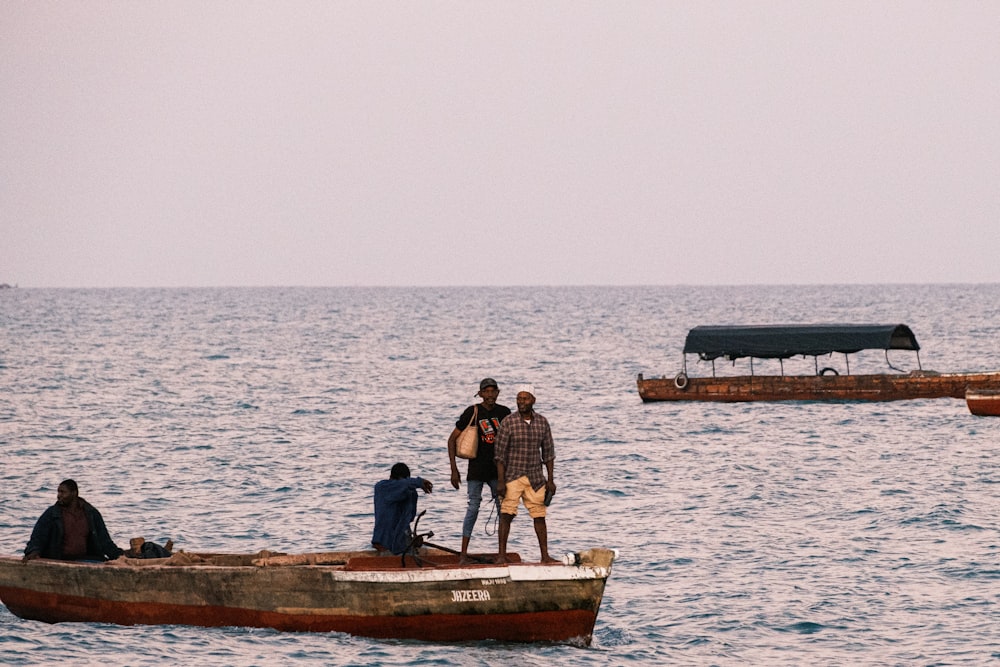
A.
x: 523, y: 447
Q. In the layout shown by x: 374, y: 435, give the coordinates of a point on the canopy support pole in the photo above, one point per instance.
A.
x: 899, y: 370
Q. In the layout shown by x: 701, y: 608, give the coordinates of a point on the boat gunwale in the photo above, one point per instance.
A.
x: 521, y: 602
x: 823, y: 388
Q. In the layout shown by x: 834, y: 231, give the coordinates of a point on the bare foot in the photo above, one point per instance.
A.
x: 550, y: 559
x: 501, y: 559
x: 463, y: 560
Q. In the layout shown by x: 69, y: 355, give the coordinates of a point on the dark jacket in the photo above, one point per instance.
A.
x: 47, y: 536
x: 395, y: 508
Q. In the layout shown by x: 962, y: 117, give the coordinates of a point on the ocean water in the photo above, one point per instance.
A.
x: 246, y: 419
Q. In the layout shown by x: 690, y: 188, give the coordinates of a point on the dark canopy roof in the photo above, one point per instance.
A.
x: 781, y: 341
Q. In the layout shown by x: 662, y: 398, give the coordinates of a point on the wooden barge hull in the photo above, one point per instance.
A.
x: 370, y: 597
x: 746, y: 388
x: 983, y: 403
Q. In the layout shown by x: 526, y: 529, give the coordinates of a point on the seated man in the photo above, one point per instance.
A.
x: 72, y: 529
x: 395, y: 507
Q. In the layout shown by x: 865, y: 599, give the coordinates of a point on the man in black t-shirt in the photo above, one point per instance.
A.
x: 482, y: 469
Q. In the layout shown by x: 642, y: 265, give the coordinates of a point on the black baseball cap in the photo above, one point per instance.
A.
x: 488, y: 382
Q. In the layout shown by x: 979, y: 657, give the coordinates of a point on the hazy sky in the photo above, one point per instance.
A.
x: 503, y: 143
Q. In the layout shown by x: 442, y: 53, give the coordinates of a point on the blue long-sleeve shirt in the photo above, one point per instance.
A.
x: 395, y: 507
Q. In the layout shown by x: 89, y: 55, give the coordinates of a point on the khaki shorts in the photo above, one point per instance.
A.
x: 534, y: 501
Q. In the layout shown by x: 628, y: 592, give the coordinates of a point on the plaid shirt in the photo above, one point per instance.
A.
x: 524, y: 448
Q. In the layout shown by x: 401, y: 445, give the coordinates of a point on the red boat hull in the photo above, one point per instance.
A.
x: 521, y: 627
x: 983, y: 403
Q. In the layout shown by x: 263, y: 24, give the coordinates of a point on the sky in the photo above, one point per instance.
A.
x: 299, y: 143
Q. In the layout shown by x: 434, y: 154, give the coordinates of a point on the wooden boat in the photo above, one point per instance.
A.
x: 786, y: 341
x: 429, y: 596
x: 983, y: 402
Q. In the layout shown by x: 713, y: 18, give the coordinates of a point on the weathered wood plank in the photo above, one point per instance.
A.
x: 746, y: 388
x: 519, y: 602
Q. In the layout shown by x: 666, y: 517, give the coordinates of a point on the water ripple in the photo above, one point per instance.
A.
x: 245, y: 419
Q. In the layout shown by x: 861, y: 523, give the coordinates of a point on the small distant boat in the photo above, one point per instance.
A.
x: 427, y: 595
x: 983, y: 402
x: 827, y: 384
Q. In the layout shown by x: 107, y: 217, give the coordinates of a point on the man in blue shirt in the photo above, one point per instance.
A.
x: 395, y: 508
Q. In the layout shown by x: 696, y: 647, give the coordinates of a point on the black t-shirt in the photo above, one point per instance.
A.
x: 483, y: 468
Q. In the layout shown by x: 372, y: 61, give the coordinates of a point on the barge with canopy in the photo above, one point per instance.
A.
x: 427, y: 595
x: 785, y: 341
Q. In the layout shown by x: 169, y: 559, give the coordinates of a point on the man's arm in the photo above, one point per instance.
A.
x: 456, y: 476
x: 393, y: 491
x: 500, y: 458
x: 549, y: 456
x: 108, y: 548
x: 39, y: 536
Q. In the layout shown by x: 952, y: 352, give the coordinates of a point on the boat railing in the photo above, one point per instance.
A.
x: 754, y: 363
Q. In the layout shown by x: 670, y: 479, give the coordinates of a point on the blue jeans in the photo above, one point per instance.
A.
x: 475, y: 488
